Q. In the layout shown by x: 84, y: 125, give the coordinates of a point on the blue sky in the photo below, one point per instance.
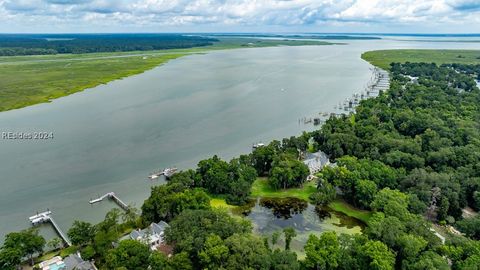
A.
x: 392, y: 16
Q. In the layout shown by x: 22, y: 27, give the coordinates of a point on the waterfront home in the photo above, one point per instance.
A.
x: 316, y: 161
x: 153, y: 235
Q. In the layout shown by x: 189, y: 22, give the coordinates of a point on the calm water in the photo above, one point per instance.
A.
x: 109, y: 138
x: 269, y: 215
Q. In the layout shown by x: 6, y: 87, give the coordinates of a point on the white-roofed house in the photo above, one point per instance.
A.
x: 153, y: 235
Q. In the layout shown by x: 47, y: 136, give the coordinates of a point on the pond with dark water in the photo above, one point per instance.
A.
x: 274, y: 214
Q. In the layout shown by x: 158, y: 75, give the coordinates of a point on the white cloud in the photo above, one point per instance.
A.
x: 303, y: 14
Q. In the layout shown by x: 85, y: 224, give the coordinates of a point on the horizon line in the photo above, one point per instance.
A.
x: 249, y: 33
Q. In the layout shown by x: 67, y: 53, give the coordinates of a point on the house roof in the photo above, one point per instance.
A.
x: 136, y: 234
x: 159, y: 227
x: 75, y: 262
x: 316, y: 161
x: 155, y: 229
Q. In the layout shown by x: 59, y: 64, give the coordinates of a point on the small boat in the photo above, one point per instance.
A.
x: 168, y: 172
x: 257, y: 145
x: 40, y: 218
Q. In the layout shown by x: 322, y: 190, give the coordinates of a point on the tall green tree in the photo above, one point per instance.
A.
x: 10, y: 258
x: 410, y: 246
x: 365, y: 193
x: 27, y: 242
x: 189, y: 231
x: 429, y: 260
x: 376, y: 256
x: 180, y: 261
x: 158, y: 261
x: 275, y: 237
x: 215, y: 253
x: 130, y: 254
x: 289, y: 233
x: 287, y: 172
x: 262, y: 158
x: 391, y: 202
x: 322, y: 253
x: 284, y: 260
x: 247, y: 251
x: 470, y: 226
x: 325, y: 194
x: 386, y: 229
x: 167, y: 201
x: 81, y: 233
x: 233, y: 179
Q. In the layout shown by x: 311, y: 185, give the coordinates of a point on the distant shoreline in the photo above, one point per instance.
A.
x: 36, y: 79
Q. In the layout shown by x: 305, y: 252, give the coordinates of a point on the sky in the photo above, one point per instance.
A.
x: 295, y: 16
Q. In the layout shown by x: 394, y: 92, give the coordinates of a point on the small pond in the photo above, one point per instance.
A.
x: 273, y: 214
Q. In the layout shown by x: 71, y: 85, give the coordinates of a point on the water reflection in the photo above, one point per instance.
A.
x: 284, y: 207
x: 274, y: 214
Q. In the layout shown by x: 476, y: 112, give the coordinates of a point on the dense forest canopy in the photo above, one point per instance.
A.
x: 425, y: 130
x: 34, y: 44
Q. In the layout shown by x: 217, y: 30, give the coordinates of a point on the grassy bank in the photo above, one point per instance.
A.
x: 261, y: 188
x: 341, y: 206
x: 383, y: 58
x: 28, y: 80
x: 221, y: 203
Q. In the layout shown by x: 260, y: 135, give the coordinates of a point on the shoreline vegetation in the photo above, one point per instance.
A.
x: 30, y: 80
x: 383, y: 58
x: 410, y: 160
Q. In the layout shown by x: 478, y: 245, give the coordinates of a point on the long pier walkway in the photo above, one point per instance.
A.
x: 112, y: 196
x: 45, y: 217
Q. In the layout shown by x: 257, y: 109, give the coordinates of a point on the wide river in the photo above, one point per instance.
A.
x: 111, y: 137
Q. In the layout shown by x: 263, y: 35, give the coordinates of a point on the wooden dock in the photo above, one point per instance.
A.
x: 379, y: 82
x: 46, y: 217
x: 112, y: 196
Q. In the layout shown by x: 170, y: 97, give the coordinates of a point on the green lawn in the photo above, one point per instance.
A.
x: 341, y: 206
x: 383, y: 58
x: 28, y: 80
x: 221, y: 203
x: 261, y: 188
